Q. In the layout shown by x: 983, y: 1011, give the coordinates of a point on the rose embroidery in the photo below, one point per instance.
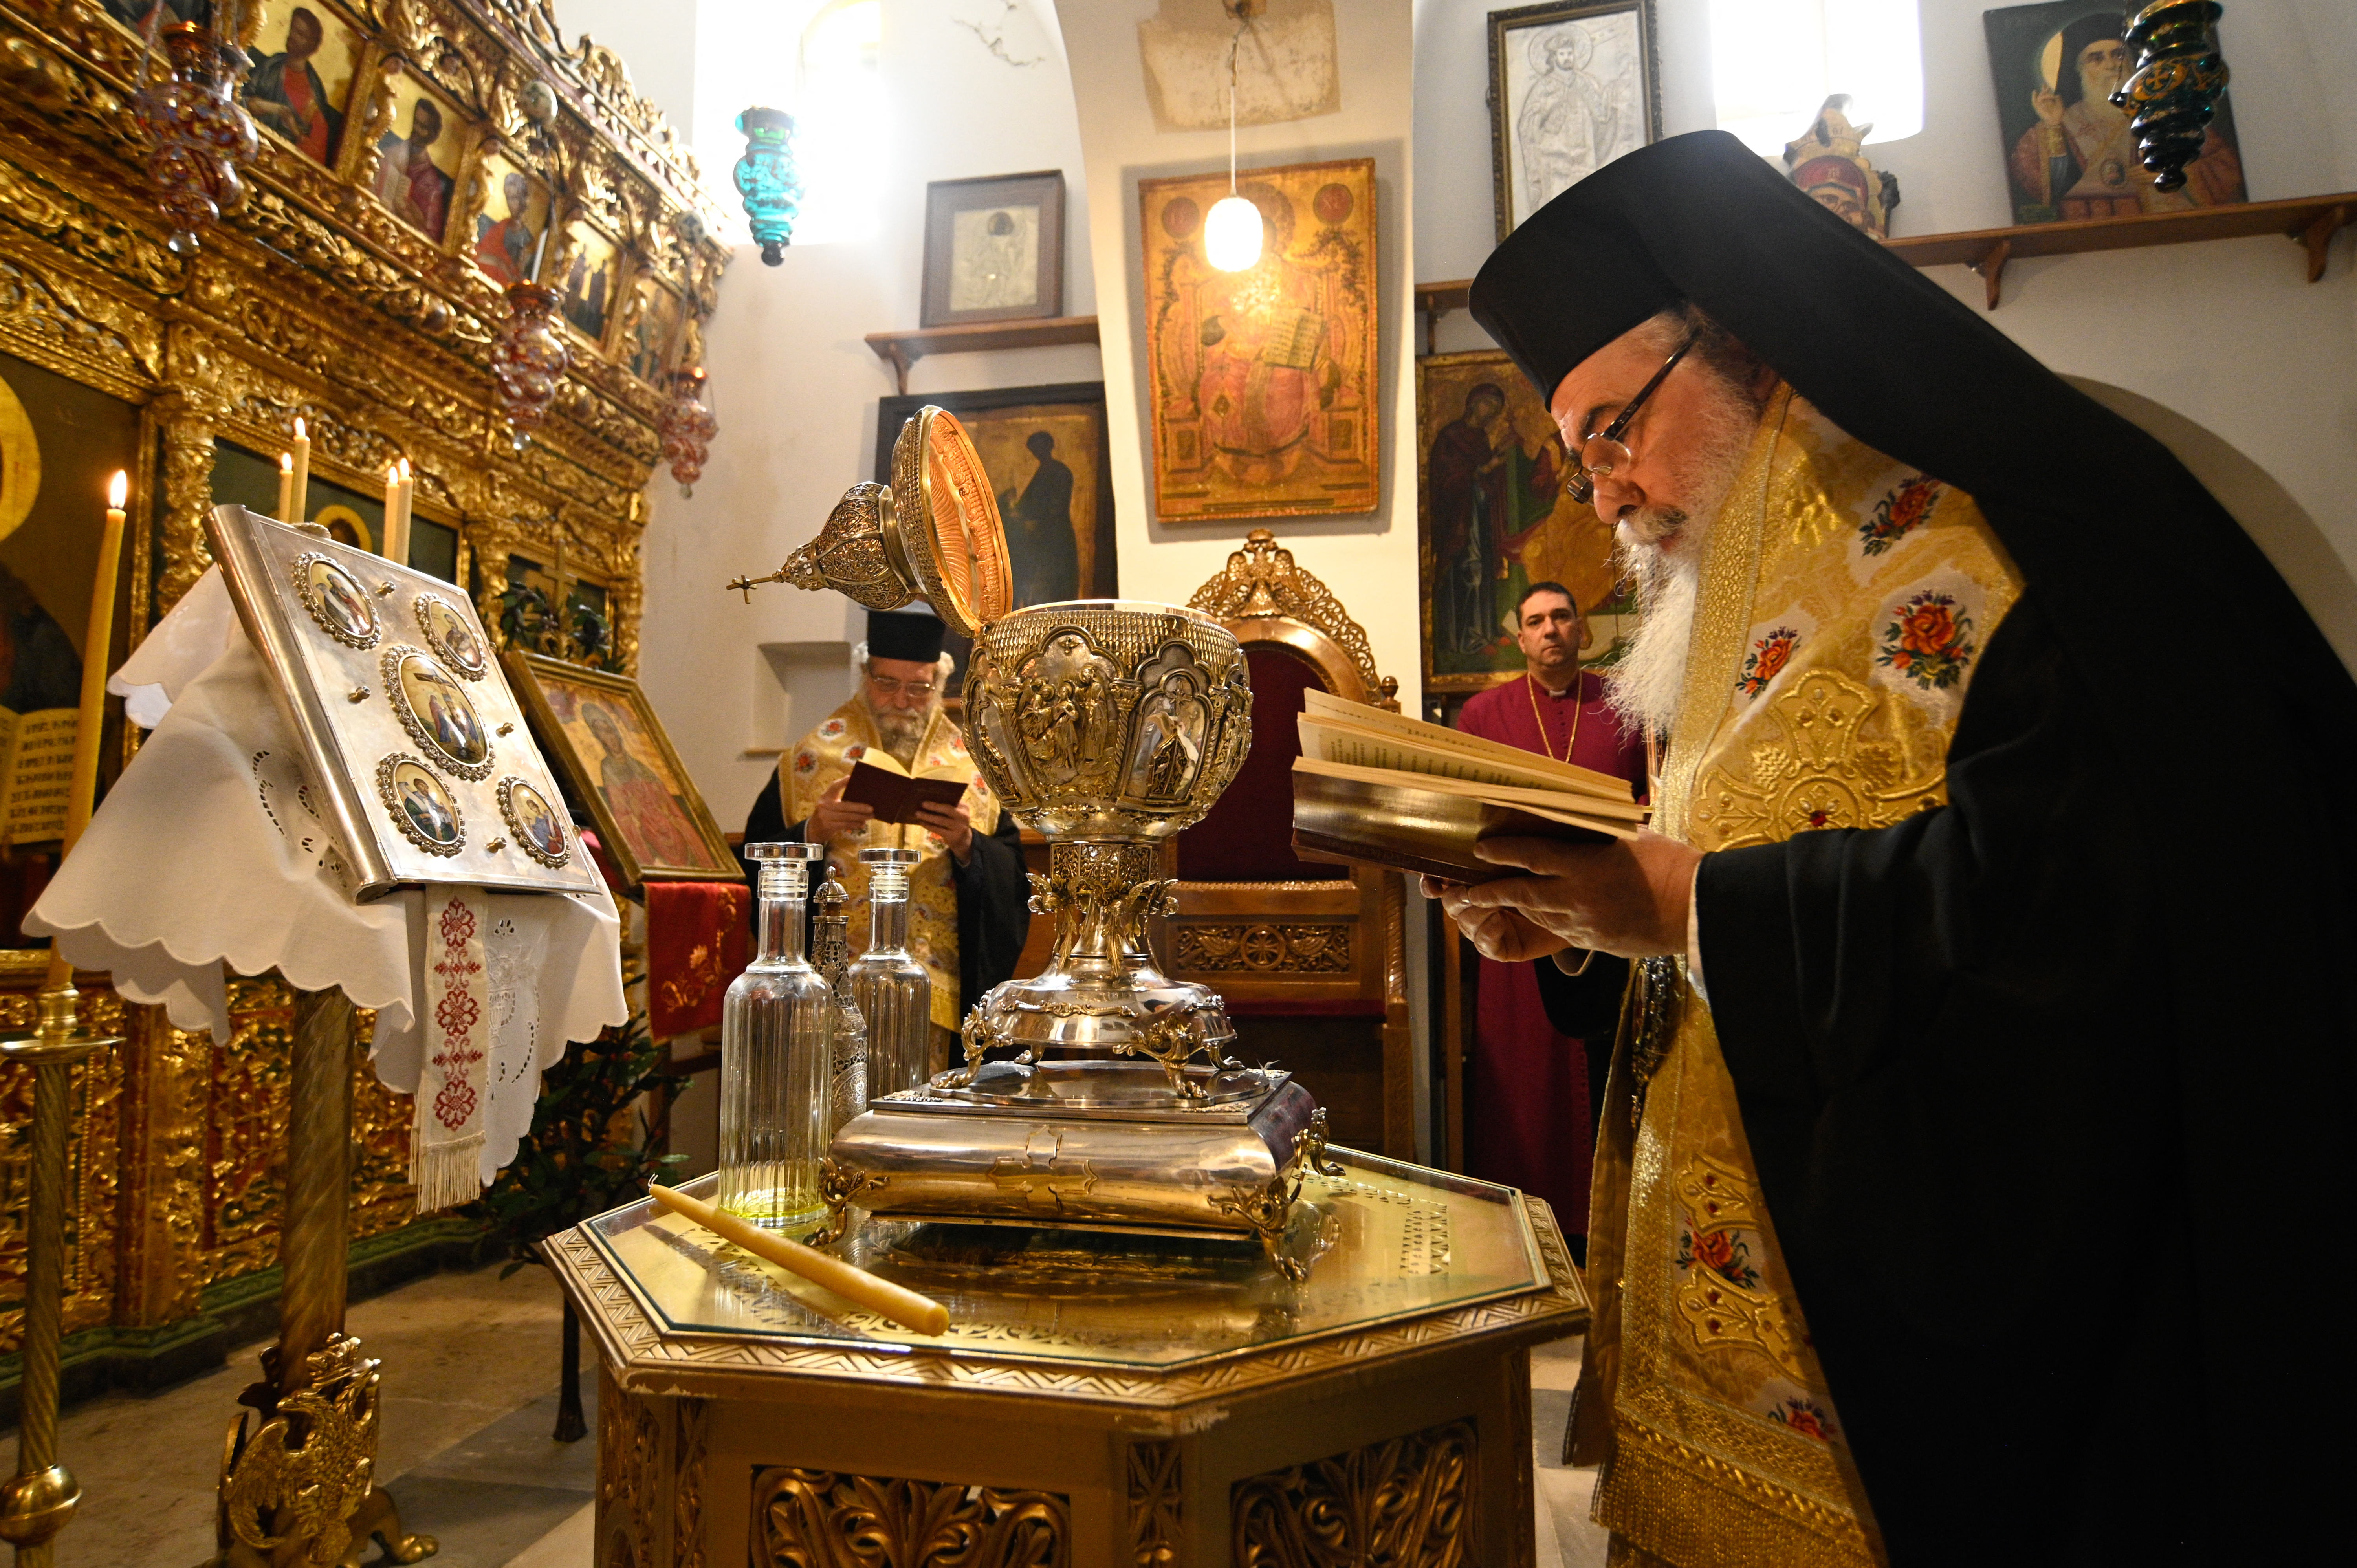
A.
x: 1898, y: 513
x: 1767, y: 659
x: 1928, y: 641
x: 1805, y: 1416
x: 1726, y: 1253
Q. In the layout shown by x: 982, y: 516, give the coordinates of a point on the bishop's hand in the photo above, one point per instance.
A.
x: 1628, y: 897
x: 833, y: 817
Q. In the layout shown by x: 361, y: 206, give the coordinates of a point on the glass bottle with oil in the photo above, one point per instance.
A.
x: 776, y: 1036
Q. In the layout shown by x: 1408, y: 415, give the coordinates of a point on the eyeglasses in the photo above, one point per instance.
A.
x: 1603, y: 454
x: 887, y: 687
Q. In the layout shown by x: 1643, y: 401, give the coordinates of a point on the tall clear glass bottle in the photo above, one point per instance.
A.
x: 777, y: 1028
x: 894, y: 993
x: 846, y: 1069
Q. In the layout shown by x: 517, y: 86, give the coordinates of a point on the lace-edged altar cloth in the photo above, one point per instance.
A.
x: 213, y: 849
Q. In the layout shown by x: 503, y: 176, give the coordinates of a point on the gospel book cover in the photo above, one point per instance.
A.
x: 420, y: 749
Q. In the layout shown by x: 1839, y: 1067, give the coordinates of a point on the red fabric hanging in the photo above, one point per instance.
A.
x: 697, y: 938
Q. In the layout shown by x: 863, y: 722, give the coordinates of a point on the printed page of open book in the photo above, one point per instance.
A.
x: 1366, y: 733
x: 37, y: 773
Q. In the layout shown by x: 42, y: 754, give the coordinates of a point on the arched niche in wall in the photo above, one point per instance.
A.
x: 2276, y: 523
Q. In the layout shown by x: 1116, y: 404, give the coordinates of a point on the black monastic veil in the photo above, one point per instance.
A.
x: 2049, y: 1090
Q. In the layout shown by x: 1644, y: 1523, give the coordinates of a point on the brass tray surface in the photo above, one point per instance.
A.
x: 1391, y: 1241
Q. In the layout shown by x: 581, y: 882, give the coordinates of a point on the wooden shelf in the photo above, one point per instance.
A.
x: 2308, y: 221
x: 904, y: 348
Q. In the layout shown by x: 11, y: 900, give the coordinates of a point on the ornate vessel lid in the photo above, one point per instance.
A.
x: 933, y: 533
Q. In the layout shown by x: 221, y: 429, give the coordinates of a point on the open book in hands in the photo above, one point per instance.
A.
x: 1378, y: 788
x: 877, y: 780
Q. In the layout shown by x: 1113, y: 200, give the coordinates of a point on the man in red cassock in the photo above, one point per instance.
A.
x: 1531, y: 1118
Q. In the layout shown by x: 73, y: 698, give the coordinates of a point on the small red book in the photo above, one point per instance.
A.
x: 895, y: 795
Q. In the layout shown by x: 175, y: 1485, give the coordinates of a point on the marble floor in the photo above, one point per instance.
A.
x: 469, y: 1401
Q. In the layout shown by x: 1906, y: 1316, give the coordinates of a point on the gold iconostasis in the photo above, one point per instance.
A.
x: 409, y: 170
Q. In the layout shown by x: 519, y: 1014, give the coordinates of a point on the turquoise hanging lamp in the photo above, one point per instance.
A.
x: 765, y: 178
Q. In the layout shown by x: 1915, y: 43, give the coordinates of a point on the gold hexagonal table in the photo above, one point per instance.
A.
x: 1099, y: 1398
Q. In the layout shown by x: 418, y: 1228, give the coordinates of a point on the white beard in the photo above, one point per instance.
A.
x: 901, y: 730
x: 1646, y: 682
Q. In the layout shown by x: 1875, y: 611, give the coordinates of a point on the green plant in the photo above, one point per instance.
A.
x: 571, y: 1166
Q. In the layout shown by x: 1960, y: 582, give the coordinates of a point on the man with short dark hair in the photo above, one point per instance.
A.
x: 1917, y: 1167
x: 1530, y: 1116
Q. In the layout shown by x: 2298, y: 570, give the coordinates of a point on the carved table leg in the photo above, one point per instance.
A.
x: 302, y: 1486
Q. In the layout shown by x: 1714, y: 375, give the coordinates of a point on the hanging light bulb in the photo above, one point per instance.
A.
x: 1232, y: 230
x: 1232, y: 234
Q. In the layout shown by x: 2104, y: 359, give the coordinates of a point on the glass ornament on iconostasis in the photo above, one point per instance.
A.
x: 200, y: 132
x: 529, y: 358
x: 685, y: 428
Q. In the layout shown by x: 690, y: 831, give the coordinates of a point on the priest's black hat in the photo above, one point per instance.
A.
x: 904, y: 634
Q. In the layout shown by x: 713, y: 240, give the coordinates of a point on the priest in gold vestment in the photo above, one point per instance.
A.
x: 969, y: 906
x: 1924, y: 1229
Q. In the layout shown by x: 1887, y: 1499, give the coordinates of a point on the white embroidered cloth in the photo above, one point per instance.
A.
x: 212, y: 849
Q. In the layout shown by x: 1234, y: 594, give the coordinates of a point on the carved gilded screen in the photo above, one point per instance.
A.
x: 412, y: 161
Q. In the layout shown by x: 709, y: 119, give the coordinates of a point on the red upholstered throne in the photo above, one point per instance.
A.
x: 1310, y: 957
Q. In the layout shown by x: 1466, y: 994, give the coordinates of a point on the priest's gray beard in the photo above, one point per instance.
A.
x: 1661, y: 549
x: 1645, y: 683
x: 902, y: 730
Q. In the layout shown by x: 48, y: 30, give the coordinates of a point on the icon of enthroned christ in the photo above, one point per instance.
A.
x: 1260, y: 355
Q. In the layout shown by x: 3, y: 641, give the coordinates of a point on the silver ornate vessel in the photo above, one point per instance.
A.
x: 1098, y: 1092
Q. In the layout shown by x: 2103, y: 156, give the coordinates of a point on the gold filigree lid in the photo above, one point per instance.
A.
x: 932, y: 533
x: 951, y: 533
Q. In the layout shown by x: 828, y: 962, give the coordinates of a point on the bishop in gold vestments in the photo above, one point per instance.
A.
x: 968, y: 904
x: 1985, y: 1056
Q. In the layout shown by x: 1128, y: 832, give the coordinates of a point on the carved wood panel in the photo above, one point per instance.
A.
x: 821, y: 1518
x: 1411, y: 1500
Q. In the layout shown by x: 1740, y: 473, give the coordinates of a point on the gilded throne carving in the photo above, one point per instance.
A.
x: 1310, y: 957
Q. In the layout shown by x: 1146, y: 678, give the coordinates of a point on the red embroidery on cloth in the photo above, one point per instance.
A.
x: 1900, y: 513
x: 455, y: 1016
x: 1767, y: 659
x: 1928, y: 641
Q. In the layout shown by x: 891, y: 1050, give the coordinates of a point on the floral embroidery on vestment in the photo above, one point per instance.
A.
x: 1769, y: 656
x: 1805, y: 1416
x: 1726, y: 1253
x: 1928, y: 641
x: 1898, y: 512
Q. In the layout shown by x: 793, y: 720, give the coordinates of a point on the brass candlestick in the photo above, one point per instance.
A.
x: 307, y: 1474
x: 41, y: 1499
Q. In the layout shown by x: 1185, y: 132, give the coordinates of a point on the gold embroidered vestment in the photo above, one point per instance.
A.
x: 1844, y: 605
x: 826, y: 755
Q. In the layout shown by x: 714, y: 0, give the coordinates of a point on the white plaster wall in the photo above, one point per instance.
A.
x: 794, y: 387
x: 2228, y: 333
x: 1369, y: 562
x: 656, y: 40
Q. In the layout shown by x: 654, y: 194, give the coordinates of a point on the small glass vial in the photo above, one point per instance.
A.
x: 847, y: 1059
x: 777, y: 1029
x: 894, y: 993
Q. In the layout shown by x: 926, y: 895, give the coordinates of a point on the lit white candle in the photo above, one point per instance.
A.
x: 302, y: 474
x: 285, y: 488
x: 392, y: 508
x: 396, y: 532
x: 97, y: 642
